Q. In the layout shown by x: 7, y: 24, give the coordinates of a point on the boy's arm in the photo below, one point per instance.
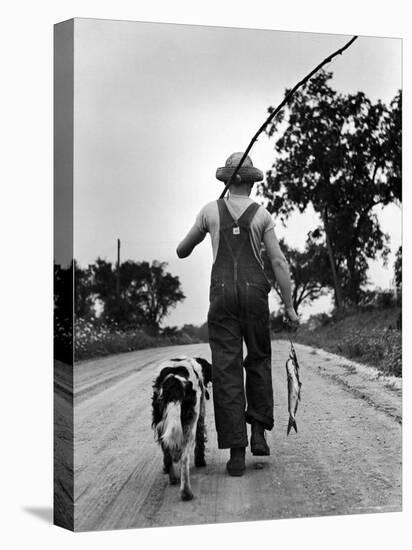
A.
x: 281, y: 270
x: 193, y: 238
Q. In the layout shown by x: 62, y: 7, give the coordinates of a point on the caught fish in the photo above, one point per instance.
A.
x: 294, y: 385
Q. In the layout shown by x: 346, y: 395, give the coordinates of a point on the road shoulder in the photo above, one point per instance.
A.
x: 365, y: 382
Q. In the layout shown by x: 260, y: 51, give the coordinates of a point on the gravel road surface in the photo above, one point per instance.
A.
x: 346, y: 458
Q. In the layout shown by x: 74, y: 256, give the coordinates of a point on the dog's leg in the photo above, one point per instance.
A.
x: 185, y: 488
x: 174, y: 472
x: 200, y: 437
x: 167, y: 460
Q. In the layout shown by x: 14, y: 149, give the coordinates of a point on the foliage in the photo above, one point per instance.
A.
x: 393, y: 146
x: 169, y: 331
x: 96, y: 338
x: 130, y: 318
x: 376, y: 347
x: 366, y: 335
x: 83, y: 292
x: 379, y: 299
x: 398, y: 268
x: 146, y: 293
x: 309, y: 271
x: 341, y: 154
x: 318, y: 320
x: 199, y: 333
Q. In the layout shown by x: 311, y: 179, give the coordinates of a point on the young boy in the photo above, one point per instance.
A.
x: 239, y: 310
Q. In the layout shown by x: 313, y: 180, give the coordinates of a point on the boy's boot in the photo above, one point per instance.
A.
x: 236, y: 464
x: 258, y: 443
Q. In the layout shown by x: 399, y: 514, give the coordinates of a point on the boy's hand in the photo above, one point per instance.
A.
x: 292, y: 318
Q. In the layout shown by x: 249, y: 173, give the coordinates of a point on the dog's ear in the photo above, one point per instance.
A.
x: 206, y: 370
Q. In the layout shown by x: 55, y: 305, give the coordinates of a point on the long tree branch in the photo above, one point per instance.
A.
x: 311, y: 292
x: 279, y: 107
x: 303, y: 288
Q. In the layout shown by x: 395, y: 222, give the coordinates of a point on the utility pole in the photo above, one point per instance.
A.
x: 118, y: 270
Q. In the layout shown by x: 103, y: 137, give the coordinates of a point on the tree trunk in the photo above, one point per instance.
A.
x: 336, y: 282
x: 354, y: 283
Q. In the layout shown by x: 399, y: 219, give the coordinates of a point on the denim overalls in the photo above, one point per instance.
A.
x: 239, y: 311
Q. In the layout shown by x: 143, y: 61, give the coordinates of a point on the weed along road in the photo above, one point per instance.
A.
x: 345, y: 459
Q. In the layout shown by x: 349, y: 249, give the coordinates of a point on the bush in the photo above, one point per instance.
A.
x: 385, y: 299
x: 319, y: 320
x: 94, y: 338
x: 197, y: 333
x: 373, y: 338
x: 381, y: 348
x: 379, y: 299
x: 170, y: 331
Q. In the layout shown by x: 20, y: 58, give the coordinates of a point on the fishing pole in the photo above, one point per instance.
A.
x: 286, y: 99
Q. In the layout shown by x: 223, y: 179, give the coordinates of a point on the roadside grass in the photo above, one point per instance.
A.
x: 369, y: 337
x: 93, y: 339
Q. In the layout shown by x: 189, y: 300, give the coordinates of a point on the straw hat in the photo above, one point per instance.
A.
x: 247, y: 172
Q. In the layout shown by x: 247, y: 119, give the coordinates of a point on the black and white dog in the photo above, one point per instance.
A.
x: 178, y: 416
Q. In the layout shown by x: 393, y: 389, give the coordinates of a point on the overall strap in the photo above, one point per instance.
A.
x: 235, y: 234
x: 227, y: 220
x: 246, y: 218
x: 225, y: 217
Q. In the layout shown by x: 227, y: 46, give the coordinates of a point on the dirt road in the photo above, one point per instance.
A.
x: 345, y: 459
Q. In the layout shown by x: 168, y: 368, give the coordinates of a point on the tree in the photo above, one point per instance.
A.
x: 339, y: 154
x: 83, y: 292
x: 309, y: 271
x: 393, y: 146
x: 104, y: 288
x: 146, y: 292
x: 398, y: 269
x: 159, y: 292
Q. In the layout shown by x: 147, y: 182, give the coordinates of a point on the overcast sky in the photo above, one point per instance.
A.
x: 159, y: 107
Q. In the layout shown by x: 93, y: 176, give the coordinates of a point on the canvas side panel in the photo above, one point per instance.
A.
x: 63, y: 275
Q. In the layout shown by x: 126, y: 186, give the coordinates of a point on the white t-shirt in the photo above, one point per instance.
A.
x: 207, y: 221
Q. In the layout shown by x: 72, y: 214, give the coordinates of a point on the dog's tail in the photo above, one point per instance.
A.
x: 172, y: 431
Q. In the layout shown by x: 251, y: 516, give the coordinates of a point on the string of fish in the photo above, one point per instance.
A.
x: 294, y: 385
